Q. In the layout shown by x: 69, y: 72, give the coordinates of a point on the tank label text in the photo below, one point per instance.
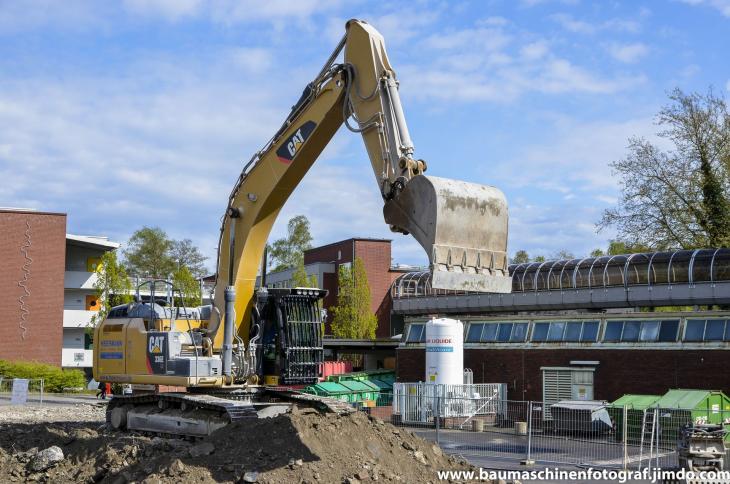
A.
x: 439, y: 349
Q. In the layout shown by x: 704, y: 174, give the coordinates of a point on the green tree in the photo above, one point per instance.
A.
x: 563, y: 254
x: 112, y: 285
x: 539, y: 258
x: 618, y: 247
x: 521, y: 257
x: 677, y: 198
x: 148, y: 253
x: 185, y: 254
x: 597, y: 253
x: 299, y: 277
x: 286, y: 253
x: 189, y: 287
x: 352, y: 317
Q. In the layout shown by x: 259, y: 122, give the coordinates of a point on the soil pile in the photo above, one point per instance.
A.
x: 302, y: 446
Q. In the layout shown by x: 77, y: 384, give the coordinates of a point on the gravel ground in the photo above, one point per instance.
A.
x: 53, y: 413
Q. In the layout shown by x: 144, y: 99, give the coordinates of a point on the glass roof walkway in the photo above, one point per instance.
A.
x: 682, y: 277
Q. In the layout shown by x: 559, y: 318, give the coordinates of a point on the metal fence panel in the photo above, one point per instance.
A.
x: 36, y: 390
x: 607, y: 436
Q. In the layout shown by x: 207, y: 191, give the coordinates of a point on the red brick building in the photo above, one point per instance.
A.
x: 324, y: 263
x: 32, y: 266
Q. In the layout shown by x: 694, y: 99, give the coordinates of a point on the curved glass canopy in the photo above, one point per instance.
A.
x: 654, y: 268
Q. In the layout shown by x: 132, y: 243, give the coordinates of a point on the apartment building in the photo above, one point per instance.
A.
x: 47, y: 295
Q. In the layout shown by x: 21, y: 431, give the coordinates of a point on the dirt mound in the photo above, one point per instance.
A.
x: 304, y: 446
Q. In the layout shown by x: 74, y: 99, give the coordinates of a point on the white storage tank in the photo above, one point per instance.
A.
x: 445, y: 351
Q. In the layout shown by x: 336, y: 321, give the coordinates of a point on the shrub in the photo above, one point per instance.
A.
x: 55, y: 379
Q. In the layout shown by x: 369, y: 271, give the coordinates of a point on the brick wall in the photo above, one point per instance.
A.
x: 44, y: 320
x: 619, y: 371
x: 376, y: 256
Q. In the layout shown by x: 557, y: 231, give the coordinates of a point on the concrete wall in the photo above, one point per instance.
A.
x: 73, y: 338
x: 44, y: 319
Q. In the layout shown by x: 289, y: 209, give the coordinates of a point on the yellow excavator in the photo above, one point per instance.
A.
x: 248, y: 349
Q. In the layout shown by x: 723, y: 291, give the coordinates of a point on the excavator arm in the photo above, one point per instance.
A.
x: 461, y: 226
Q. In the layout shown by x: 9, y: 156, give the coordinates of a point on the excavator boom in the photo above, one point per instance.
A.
x: 461, y: 226
x: 251, y: 333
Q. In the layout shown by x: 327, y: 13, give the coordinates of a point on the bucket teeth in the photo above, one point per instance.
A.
x: 463, y: 228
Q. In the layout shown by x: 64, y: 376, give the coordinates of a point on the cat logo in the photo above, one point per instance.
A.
x: 156, y: 353
x: 156, y: 344
x: 289, y: 149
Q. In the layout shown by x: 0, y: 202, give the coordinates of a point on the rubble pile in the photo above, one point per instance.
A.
x: 304, y: 446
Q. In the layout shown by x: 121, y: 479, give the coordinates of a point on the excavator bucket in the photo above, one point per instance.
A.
x: 463, y: 228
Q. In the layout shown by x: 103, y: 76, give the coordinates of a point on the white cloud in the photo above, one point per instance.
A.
x: 480, y: 39
x: 534, y: 50
x: 628, y: 53
x: 253, y: 59
x: 571, y: 24
x: 722, y: 6
x: 500, y: 64
x: 557, y: 190
x: 74, y: 15
x: 171, y: 10
x: 533, y: 3
x: 91, y: 15
x: 579, y: 151
x: 551, y: 75
x: 493, y: 21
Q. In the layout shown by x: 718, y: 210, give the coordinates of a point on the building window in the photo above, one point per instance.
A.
x: 613, y: 331
x: 519, y: 333
x: 565, y: 331
x: 590, y: 331
x: 474, y: 334
x: 496, y: 332
x: 416, y: 333
x: 707, y: 330
x: 643, y: 331
x: 339, y: 255
x: 555, y: 333
x: 668, y: 330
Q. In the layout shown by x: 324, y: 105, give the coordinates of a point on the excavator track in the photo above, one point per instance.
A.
x: 198, y: 415
x: 323, y: 403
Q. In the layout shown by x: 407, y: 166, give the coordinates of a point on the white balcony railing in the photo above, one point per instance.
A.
x: 77, y: 318
x: 79, y: 280
x: 76, y: 357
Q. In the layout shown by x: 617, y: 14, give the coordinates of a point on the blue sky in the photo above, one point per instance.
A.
x: 143, y: 112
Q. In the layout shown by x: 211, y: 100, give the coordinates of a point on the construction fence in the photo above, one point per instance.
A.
x: 19, y: 391
x: 476, y: 422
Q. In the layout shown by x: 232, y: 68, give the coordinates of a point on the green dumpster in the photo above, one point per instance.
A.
x: 363, y: 375
x: 330, y: 389
x: 680, y: 407
x: 361, y: 390
x: 635, y: 406
x: 385, y: 395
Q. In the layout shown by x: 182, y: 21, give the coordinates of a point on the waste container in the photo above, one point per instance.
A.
x: 635, y: 406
